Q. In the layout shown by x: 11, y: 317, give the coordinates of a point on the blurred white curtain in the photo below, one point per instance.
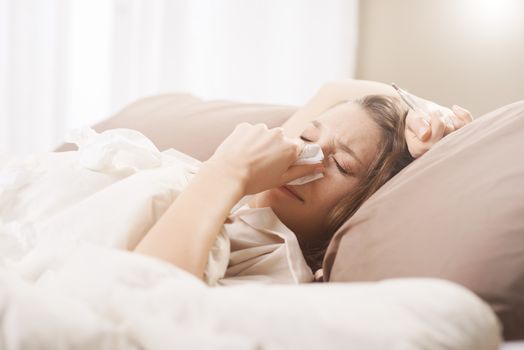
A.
x: 68, y: 63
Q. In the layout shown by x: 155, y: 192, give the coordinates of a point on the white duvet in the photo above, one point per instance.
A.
x: 66, y: 285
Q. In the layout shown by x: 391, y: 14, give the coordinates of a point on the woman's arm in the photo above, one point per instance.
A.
x: 186, y: 232
x: 250, y: 160
x: 420, y: 135
x: 329, y: 95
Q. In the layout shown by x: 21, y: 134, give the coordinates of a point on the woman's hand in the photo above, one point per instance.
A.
x: 421, y: 135
x: 250, y: 160
x: 260, y: 158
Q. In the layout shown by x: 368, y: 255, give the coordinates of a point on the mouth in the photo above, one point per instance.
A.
x: 287, y: 190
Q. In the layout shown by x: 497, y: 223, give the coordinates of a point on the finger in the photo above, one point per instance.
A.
x: 277, y: 131
x: 299, y: 146
x: 242, y: 125
x: 261, y: 126
x: 438, y: 127
x: 463, y: 114
x: 449, y: 126
x: 297, y: 171
x: 421, y: 128
x: 457, y: 121
x: 417, y: 123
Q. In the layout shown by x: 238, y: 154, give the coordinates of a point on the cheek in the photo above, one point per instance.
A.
x: 329, y: 191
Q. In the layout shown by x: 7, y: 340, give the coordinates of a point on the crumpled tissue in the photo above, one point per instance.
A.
x: 311, y: 154
x: 115, y: 150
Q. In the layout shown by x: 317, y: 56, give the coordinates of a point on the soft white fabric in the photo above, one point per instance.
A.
x: 63, y: 285
x: 311, y: 154
x: 98, y: 298
x: 114, y: 188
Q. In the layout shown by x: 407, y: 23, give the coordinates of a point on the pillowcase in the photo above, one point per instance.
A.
x: 189, y: 124
x: 456, y: 213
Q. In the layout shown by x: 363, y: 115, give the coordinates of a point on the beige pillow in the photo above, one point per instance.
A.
x: 189, y: 124
x: 456, y: 213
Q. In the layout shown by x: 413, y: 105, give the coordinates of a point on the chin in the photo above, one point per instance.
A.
x: 284, y: 209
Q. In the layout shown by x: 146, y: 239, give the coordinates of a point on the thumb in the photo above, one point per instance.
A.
x: 298, y: 171
x: 420, y: 127
x: 299, y: 146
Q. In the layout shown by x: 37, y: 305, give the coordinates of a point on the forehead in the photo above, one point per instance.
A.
x: 351, y: 125
x: 350, y: 122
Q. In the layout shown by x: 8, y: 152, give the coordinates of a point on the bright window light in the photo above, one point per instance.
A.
x: 492, y: 12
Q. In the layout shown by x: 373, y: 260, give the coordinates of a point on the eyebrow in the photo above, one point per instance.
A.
x: 342, y: 146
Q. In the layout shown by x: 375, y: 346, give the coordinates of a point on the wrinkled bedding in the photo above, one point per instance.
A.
x: 67, y: 280
x: 115, y: 187
x: 98, y: 298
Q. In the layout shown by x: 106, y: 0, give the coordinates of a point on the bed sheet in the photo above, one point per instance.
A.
x: 68, y: 283
x: 84, y: 296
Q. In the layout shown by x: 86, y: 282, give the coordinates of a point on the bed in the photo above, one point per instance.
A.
x: 55, y: 299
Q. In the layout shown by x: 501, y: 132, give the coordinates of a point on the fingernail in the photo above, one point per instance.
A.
x: 457, y: 109
x: 423, y: 129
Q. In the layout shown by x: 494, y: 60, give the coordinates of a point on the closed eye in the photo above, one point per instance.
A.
x: 305, y: 139
x: 340, y: 168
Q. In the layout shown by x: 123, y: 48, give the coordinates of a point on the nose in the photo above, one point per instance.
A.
x: 327, y: 145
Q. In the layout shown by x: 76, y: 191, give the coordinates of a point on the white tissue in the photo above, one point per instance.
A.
x: 116, y: 150
x: 311, y: 154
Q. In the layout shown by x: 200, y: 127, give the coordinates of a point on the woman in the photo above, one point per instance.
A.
x: 365, y: 142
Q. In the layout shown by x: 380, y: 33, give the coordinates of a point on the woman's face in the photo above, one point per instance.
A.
x: 349, y: 139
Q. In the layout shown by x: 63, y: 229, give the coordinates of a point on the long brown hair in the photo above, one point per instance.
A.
x: 392, y: 157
